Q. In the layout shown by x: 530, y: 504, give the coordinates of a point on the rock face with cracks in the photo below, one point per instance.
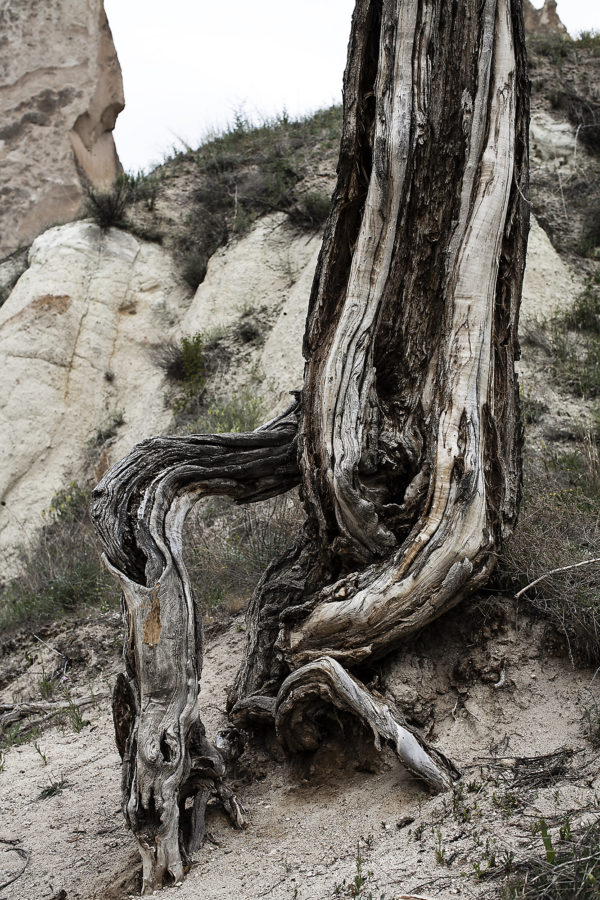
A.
x: 75, y: 338
x: 60, y: 94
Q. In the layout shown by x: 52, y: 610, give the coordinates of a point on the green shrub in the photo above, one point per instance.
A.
x: 590, y: 231
x: 311, y: 211
x: 227, y: 548
x: 588, y: 40
x: 61, y: 569
x: 584, y: 314
x: 242, y: 413
x: 142, y: 188
x: 575, y: 342
x: 194, y: 269
x: 192, y: 358
x: 571, y: 339
x: 191, y: 366
x: 554, y: 47
x: 108, y: 208
x: 247, y: 170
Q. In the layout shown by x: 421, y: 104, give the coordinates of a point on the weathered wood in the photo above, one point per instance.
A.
x: 170, y: 769
x: 406, y: 439
x: 410, y: 435
x: 325, y: 682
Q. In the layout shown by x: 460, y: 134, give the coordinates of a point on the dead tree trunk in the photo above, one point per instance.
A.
x: 405, y: 439
x: 410, y: 433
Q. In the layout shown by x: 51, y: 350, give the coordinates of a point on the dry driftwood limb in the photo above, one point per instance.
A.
x: 585, y: 562
x: 170, y: 768
x: 325, y: 682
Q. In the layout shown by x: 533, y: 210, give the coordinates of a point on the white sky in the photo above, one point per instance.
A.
x: 189, y: 64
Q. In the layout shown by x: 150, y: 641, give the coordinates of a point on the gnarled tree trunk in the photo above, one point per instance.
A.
x: 405, y: 439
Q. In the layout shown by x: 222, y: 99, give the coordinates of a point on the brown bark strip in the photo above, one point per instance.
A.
x: 152, y: 624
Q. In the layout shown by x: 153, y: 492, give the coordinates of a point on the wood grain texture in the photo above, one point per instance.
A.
x: 420, y: 485
x: 170, y: 769
x: 325, y: 682
x: 406, y: 439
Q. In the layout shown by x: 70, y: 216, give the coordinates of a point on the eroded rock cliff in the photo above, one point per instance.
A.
x: 78, y: 339
x: 79, y: 380
x: 544, y: 20
x: 60, y: 94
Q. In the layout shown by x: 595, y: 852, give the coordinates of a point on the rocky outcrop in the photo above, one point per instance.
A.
x: 80, y: 386
x: 543, y: 21
x: 78, y: 334
x: 269, y: 271
x: 60, y: 94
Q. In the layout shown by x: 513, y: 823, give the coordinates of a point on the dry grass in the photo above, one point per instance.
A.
x: 559, y: 526
x: 228, y: 547
x: 233, y: 178
x: 61, y: 569
x: 568, y: 871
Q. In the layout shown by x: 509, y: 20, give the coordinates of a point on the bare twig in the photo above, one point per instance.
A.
x: 13, y: 712
x: 586, y: 562
x: 272, y: 888
x: 58, y: 653
x: 22, y: 853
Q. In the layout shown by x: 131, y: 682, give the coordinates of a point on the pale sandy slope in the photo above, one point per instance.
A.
x: 308, y: 817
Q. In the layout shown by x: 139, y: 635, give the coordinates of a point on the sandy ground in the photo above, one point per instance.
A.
x: 489, y: 686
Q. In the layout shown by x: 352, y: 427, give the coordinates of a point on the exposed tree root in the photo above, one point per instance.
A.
x: 324, y: 681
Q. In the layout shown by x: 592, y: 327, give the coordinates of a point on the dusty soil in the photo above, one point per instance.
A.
x: 487, y: 684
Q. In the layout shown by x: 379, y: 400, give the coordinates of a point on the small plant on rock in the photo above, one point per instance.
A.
x: 108, y: 207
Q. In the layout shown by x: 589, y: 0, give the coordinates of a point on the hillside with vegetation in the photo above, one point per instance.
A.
x: 509, y: 684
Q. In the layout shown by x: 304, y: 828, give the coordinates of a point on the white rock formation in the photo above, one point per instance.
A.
x: 544, y: 20
x: 60, y: 94
x: 549, y: 283
x: 76, y: 330
x: 272, y: 267
x: 75, y: 335
x: 553, y: 141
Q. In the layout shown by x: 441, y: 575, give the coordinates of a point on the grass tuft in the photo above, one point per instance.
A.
x: 228, y: 548
x: 108, y: 207
x: 571, y: 339
x: 61, y: 570
x: 568, y: 869
x: 244, y: 412
x: 250, y: 169
x: 559, y: 526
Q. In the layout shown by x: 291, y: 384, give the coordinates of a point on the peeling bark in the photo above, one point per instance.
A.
x: 326, y: 683
x: 410, y: 435
x: 406, y: 438
x: 170, y: 769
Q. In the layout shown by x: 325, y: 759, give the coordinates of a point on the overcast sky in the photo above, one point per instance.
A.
x: 188, y: 65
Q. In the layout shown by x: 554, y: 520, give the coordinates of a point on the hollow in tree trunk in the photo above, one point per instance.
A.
x: 405, y: 438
